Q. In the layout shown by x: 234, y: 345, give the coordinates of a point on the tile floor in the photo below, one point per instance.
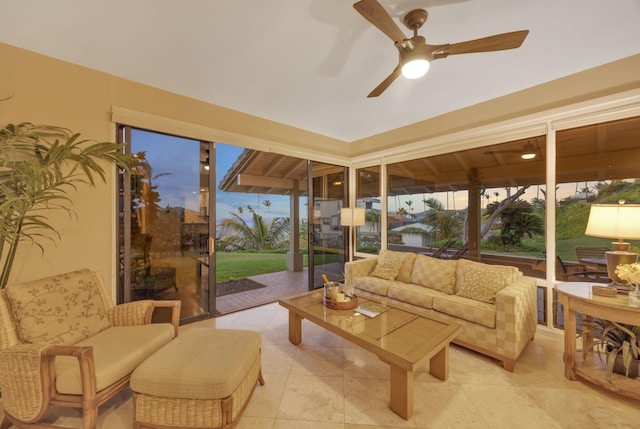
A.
x: 328, y: 383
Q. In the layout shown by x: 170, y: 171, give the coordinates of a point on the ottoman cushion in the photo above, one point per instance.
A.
x: 200, y: 363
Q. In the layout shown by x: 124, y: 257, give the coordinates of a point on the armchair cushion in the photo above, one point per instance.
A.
x: 61, y: 309
x: 116, y: 353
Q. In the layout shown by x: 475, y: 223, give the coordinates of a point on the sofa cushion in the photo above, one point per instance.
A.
x: 481, y: 282
x: 116, y: 353
x: 372, y: 284
x: 404, y: 275
x: 467, y: 309
x: 61, y: 309
x: 413, y: 294
x: 388, y: 265
x: 434, y: 273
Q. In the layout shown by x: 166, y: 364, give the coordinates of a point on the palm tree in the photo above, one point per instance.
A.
x: 409, y: 204
x: 260, y: 235
x: 444, y: 222
x: 373, y: 218
x: 267, y: 204
x: 517, y: 220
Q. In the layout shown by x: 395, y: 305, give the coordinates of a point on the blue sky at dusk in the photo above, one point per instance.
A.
x: 175, y: 165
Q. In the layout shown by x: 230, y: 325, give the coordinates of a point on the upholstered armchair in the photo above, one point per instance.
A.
x: 64, y: 343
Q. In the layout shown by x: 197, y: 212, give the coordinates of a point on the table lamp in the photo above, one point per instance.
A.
x: 621, y: 221
x: 352, y: 217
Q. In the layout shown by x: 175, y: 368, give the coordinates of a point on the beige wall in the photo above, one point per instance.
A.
x: 49, y: 91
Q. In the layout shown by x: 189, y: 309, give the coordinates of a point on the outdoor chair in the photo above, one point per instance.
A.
x: 443, y: 248
x: 578, y: 272
x: 593, y: 258
x: 458, y: 253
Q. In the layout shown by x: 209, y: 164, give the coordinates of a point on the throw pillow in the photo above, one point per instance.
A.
x: 434, y: 273
x: 62, y: 309
x: 388, y: 265
x: 405, y: 270
x: 482, y: 283
x: 513, y: 272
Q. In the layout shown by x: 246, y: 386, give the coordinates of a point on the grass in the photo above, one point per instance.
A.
x: 237, y: 265
x: 232, y: 265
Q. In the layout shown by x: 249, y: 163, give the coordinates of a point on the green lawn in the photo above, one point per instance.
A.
x: 231, y: 265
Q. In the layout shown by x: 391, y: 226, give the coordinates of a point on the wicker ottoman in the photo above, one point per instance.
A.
x: 202, y: 379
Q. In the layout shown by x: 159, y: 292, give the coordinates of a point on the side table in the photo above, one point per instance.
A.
x: 576, y: 297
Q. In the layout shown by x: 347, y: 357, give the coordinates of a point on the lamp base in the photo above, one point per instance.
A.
x: 615, y: 258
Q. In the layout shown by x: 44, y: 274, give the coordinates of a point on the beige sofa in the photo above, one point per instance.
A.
x: 494, y: 304
x: 64, y: 343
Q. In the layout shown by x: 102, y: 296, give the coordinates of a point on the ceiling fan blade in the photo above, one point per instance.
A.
x: 373, y: 12
x: 385, y: 83
x: 499, y: 42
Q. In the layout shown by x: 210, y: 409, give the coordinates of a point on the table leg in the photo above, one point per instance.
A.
x: 439, y: 364
x: 569, y: 356
x: 401, y: 392
x: 295, y: 328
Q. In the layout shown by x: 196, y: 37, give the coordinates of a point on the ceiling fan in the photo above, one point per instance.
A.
x: 528, y: 151
x: 415, y: 53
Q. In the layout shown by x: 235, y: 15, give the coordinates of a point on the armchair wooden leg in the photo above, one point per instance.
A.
x: 5, y: 424
x: 90, y: 417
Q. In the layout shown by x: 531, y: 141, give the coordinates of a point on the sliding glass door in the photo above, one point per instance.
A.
x: 328, y: 243
x: 165, y: 207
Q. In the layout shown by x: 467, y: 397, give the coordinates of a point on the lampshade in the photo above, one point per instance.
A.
x: 615, y: 221
x: 352, y: 217
x: 620, y: 221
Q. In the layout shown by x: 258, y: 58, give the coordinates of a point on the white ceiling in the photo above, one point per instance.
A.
x: 311, y: 63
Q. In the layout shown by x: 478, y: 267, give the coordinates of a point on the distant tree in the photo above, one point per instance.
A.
x: 517, y: 220
x: 402, y: 212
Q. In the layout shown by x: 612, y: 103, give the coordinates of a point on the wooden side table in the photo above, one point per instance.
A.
x: 577, y: 297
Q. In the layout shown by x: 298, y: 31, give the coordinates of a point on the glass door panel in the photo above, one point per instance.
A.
x: 167, y: 222
x: 328, y: 243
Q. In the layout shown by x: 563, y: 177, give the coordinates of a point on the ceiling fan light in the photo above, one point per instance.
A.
x: 415, y: 68
x: 528, y: 155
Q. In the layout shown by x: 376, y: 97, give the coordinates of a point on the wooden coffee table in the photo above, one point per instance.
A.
x: 402, y: 339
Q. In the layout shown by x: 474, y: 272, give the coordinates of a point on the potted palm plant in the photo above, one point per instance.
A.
x: 40, y: 166
x: 619, y: 343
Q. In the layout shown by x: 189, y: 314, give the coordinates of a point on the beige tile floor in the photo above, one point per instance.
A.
x: 328, y: 383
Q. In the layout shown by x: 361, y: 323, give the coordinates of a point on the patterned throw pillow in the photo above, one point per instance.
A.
x: 388, y: 265
x: 434, y: 273
x: 482, y: 283
x: 62, y: 309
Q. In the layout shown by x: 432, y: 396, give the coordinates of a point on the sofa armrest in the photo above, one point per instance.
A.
x: 516, y: 316
x: 360, y: 268
x: 24, y: 385
x: 140, y: 312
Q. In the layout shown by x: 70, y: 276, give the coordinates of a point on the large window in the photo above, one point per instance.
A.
x: 485, y: 204
x: 596, y: 164
x: 368, y: 238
